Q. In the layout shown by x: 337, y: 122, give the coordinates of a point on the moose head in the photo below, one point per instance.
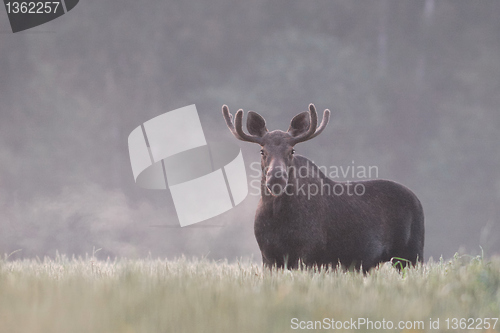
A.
x: 277, y: 146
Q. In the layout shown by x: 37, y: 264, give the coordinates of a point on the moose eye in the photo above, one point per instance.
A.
x: 262, y: 151
x: 293, y: 151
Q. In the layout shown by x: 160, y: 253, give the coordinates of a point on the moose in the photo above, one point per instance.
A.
x: 380, y: 221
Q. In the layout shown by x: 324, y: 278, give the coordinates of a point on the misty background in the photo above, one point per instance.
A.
x: 414, y: 88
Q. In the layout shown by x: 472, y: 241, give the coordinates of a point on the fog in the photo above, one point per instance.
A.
x: 413, y: 87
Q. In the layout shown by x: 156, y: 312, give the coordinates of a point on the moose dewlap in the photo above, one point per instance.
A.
x: 375, y: 221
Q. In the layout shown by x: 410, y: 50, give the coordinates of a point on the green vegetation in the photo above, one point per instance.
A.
x: 196, y: 295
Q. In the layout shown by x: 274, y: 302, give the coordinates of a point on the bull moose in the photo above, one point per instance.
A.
x: 381, y: 221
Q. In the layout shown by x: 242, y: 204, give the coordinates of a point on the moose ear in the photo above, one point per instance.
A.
x: 256, y: 125
x: 299, y: 124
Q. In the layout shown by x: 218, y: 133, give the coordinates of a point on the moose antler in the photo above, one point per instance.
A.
x: 324, y: 122
x: 313, y: 125
x: 237, y: 127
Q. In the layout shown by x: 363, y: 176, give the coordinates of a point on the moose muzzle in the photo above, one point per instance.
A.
x: 276, y: 180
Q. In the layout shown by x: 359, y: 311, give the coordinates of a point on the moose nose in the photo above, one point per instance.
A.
x: 276, y: 181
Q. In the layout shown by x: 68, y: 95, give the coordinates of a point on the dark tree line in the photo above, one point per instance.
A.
x: 413, y: 86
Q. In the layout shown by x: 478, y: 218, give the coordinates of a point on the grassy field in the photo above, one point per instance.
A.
x: 194, y: 295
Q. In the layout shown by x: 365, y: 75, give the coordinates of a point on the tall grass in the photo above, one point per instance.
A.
x: 197, y: 295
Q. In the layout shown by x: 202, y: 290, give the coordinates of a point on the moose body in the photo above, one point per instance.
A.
x: 305, y: 217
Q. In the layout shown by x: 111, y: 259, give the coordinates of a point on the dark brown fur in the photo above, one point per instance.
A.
x: 327, y: 228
